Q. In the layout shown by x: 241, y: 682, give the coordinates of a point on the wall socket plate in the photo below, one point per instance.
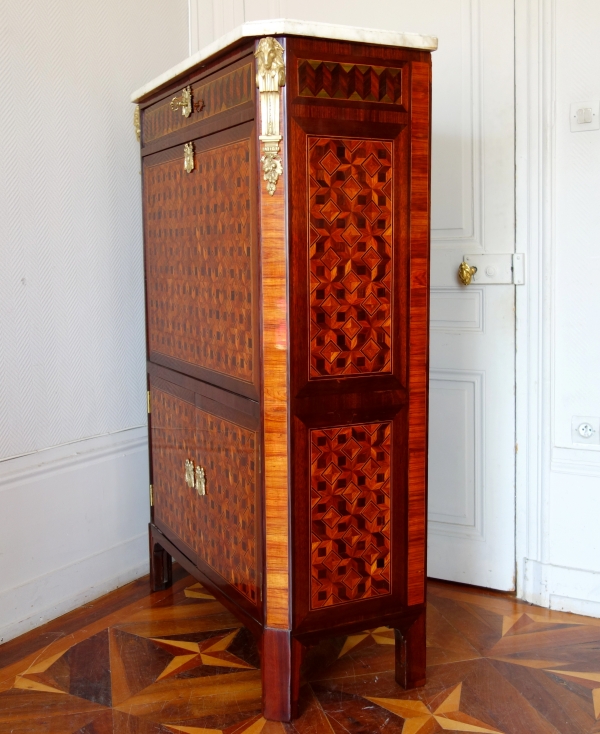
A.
x: 585, y: 116
x: 585, y: 430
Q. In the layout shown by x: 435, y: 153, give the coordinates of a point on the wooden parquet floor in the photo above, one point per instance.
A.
x: 177, y: 661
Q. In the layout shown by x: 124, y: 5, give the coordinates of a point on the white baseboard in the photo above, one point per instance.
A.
x: 43, y: 596
x: 73, y: 526
x: 564, y: 589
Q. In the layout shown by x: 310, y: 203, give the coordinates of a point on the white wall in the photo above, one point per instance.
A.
x: 73, y: 462
x: 558, y: 175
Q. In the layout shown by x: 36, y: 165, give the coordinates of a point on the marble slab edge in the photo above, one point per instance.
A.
x: 284, y: 27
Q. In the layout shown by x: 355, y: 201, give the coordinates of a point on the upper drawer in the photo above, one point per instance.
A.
x: 222, y: 91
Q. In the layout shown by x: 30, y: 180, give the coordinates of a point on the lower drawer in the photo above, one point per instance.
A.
x: 206, y: 484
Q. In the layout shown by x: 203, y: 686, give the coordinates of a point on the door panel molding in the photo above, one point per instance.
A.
x: 456, y: 451
x: 457, y: 309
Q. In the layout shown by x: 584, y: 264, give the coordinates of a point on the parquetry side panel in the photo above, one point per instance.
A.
x: 220, y: 526
x: 350, y: 513
x: 350, y: 233
x: 199, y: 260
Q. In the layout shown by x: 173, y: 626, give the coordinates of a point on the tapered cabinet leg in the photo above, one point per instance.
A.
x: 161, y: 566
x: 281, y: 659
x: 411, y: 654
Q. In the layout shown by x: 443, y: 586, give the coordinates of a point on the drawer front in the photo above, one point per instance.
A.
x: 221, y: 527
x: 211, y: 96
x: 201, y: 262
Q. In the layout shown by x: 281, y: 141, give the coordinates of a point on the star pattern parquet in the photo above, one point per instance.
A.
x: 177, y: 661
x: 350, y: 513
x: 199, y: 260
x: 350, y: 256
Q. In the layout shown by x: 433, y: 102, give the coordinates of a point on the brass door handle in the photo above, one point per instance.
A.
x: 466, y: 272
x: 184, y: 102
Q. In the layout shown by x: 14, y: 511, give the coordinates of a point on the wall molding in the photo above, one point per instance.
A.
x: 19, y: 469
x: 535, y: 145
x: 73, y: 522
x: 561, y: 588
x: 93, y: 575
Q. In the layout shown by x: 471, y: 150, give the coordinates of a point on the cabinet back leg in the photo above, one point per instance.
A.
x: 411, y: 654
x: 161, y: 565
x: 281, y: 659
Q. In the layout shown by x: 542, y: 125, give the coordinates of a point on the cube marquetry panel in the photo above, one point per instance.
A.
x: 356, y: 82
x: 350, y: 198
x: 199, y: 260
x: 221, y: 525
x: 350, y: 513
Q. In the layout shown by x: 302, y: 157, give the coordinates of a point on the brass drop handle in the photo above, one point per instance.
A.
x: 200, y: 481
x: 189, y: 473
x: 195, y: 477
x: 466, y: 272
x: 188, y: 157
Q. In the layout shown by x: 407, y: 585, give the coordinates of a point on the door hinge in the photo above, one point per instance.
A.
x: 148, y: 403
x: 151, y: 497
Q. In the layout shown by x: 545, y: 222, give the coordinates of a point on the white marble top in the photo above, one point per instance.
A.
x: 283, y: 27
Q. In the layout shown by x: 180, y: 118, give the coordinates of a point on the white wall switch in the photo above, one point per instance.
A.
x: 585, y: 116
x: 585, y: 429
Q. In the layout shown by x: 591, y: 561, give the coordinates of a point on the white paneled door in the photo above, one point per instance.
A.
x: 472, y: 401
x: 472, y: 405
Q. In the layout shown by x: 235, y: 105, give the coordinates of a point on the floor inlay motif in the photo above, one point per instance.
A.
x: 177, y: 662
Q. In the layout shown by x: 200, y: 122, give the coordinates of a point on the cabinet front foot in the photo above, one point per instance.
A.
x: 161, y: 565
x: 411, y: 654
x: 281, y: 659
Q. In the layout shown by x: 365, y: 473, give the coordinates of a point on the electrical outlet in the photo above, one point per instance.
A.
x: 585, y: 429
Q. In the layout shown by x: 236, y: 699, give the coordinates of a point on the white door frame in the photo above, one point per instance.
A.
x: 534, y: 195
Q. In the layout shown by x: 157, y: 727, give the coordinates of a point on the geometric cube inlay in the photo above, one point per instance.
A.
x: 360, y: 82
x: 350, y: 256
x: 350, y: 513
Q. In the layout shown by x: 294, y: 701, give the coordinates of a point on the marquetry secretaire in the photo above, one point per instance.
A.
x: 285, y: 174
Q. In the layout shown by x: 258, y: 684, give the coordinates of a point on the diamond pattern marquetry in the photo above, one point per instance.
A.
x: 350, y: 513
x: 199, y: 262
x: 359, y: 82
x: 220, y: 526
x: 350, y: 256
x: 209, y: 98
